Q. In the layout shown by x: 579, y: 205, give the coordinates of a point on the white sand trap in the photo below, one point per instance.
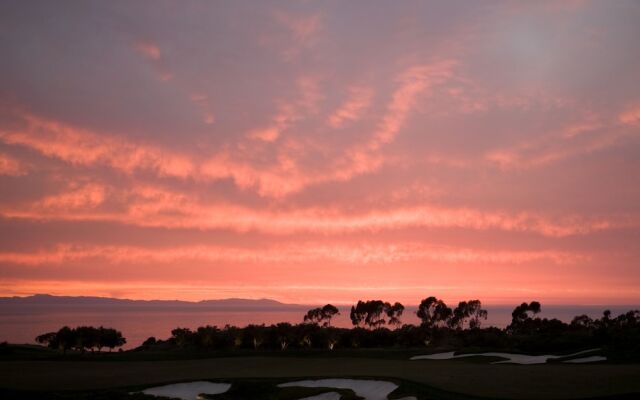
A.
x: 189, y: 390
x: 370, y: 390
x: 510, y: 358
x: 586, y: 359
x: 324, y: 396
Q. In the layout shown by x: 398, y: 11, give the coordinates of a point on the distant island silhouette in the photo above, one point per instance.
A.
x: 47, y: 300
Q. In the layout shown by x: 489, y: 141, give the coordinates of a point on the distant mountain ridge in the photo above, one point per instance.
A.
x: 50, y: 301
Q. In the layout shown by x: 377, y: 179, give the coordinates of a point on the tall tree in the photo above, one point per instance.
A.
x: 476, y: 313
x: 394, y: 312
x: 87, y: 337
x: 113, y: 338
x: 521, y: 317
x: 322, y: 315
x: 371, y: 313
x: 524, y: 312
x: 467, y: 311
x: 284, y: 333
x: 328, y: 312
x: 48, y: 339
x: 433, y: 312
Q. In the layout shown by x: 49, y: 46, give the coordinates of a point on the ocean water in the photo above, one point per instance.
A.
x: 20, y: 326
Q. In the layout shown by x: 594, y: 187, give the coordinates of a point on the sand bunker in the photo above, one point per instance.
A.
x: 586, y: 359
x: 324, y: 396
x: 189, y: 390
x: 510, y: 358
x: 370, y: 390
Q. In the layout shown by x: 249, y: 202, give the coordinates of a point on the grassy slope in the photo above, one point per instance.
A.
x: 37, y: 368
x: 506, y: 381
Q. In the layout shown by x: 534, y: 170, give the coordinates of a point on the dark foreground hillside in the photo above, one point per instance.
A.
x: 455, y: 379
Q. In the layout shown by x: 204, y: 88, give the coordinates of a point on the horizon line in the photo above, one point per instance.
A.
x: 339, y: 304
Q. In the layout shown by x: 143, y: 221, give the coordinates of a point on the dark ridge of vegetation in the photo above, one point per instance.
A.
x: 441, y: 327
x: 82, y: 338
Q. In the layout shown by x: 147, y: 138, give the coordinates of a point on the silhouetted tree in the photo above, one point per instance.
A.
x: 521, y: 317
x: 151, y: 341
x: 255, y: 334
x: 470, y: 311
x: 49, y: 339
x: 322, y: 315
x: 433, y: 312
x: 285, y: 334
x: 87, y: 337
x: 304, y: 334
x: 113, y: 338
x: 207, y: 336
x: 582, y: 321
x: 82, y: 338
x: 333, y: 337
x: 394, y: 312
x: 476, y: 313
x: 370, y: 313
x: 66, y: 338
x: 183, y: 337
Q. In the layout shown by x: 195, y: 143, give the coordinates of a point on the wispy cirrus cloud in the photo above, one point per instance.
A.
x: 631, y: 116
x: 353, y: 107
x: 303, y: 31
x: 287, y: 114
x: 412, y: 83
x: 284, y: 176
x: 82, y: 147
x: 154, y: 207
x: 11, y: 166
x: 300, y: 253
x: 506, y: 134
x: 578, y: 138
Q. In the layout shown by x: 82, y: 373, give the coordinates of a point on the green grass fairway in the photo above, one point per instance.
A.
x: 551, y: 381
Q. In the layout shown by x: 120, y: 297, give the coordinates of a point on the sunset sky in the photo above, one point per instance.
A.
x: 321, y: 151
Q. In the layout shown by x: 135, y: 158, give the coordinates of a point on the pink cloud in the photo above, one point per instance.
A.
x: 79, y: 197
x: 413, y: 82
x: 303, y: 29
x: 284, y: 118
x: 574, y: 139
x: 11, y: 166
x: 277, y: 179
x: 289, y: 112
x: 354, y: 106
x: 202, y: 102
x: 148, y: 50
x: 155, y: 207
x: 310, y: 95
x: 270, y: 134
x: 630, y: 117
x: 257, y: 155
x: 83, y: 147
x: 300, y: 254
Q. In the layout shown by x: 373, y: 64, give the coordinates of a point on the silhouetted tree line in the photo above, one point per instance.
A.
x: 82, y: 338
x: 440, y: 326
x: 376, y: 313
